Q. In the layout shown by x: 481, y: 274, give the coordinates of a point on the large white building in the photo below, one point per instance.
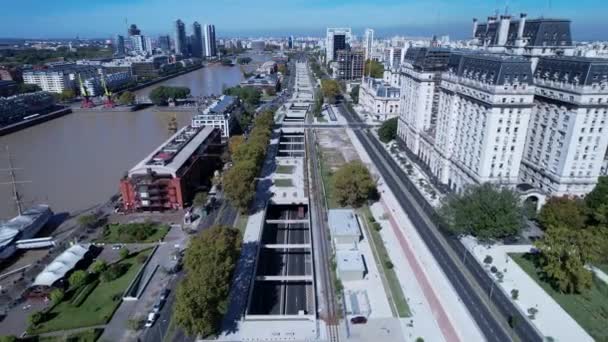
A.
x: 59, y: 78
x: 209, y: 43
x: 336, y: 39
x: 369, y: 43
x: 379, y: 98
x: 221, y: 114
x: 567, y: 135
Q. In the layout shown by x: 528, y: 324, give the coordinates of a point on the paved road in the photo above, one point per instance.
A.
x: 469, y: 280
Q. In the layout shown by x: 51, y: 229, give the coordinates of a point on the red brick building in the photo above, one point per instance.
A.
x: 168, y: 178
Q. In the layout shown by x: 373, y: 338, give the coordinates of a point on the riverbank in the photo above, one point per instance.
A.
x: 34, y: 121
x: 161, y: 79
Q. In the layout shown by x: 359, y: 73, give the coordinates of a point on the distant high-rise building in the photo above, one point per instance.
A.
x: 196, y: 40
x: 133, y: 30
x: 148, y: 45
x: 181, y: 43
x: 290, y: 42
x: 369, y: 43
x: 210, y: 48
x: 350, y: 64
x: 337, y: 39
x: 119, y: 45
x: 164, y: 43
x: 138, y: 44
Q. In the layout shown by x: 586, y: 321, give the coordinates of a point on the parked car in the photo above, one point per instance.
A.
x: 164, y: 294
x: 358, y: 320
x: 116, y: 246
x: 151, y: 319
x: 158, y: 306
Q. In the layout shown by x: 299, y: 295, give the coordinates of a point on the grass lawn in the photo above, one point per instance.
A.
x: 142, y: 232
x: 285, y: 169
x: 99, y: 306
x: 283, y: 183
x: 589, y: 309
x: 332, y: 203
x: 381, y: 257
x: 90, y: 335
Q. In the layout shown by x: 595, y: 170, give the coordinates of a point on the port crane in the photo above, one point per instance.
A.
x: 107, y: 102
x: 86, y: 102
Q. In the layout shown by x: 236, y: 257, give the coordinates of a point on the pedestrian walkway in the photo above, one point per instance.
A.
x: 435, y: 291
x: 551, y: 319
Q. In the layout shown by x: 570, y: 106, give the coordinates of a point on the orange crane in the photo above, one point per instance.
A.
x: 86, y: 102
x: 107, y: 102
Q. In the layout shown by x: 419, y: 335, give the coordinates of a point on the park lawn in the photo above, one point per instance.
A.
x: 99, y: 306
x: 90, y: 335
x: 332, y: 203
x: 381, y: 257
x: 283, y: 183
x: 285, y: 169
x: 589, y: 309
x: 111, y: 234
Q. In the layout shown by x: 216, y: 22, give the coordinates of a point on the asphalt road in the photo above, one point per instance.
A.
x: 468, y: 279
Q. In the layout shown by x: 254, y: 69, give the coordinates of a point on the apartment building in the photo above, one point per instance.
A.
x: 59, y: 78
x: 567, y: 138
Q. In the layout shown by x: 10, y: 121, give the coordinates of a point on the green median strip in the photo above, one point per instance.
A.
x: 389, y: 280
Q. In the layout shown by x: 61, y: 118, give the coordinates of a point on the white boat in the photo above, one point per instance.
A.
x: 22, y: 227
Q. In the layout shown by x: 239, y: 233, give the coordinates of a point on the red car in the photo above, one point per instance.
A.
x: 358, y: 320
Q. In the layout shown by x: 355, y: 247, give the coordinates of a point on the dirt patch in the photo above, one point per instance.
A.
x: 336, y: 147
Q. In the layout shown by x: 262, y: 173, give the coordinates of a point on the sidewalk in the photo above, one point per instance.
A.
x: 440, y: 298
x: 551, y: 319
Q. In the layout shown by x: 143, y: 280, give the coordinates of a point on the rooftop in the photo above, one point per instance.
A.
x: 343, y: 222
x: 349, y: 260
x: 173, y: 153
x: 62, y: 264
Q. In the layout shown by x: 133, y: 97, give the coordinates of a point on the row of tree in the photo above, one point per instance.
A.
x: 161, y: 96
x: 247, y: 157
x: 576, y: 235
x: 202, y: 297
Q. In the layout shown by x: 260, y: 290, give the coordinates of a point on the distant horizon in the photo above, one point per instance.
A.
x: 32, y: 19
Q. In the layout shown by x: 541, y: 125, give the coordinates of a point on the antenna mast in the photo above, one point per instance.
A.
x: 14, y: 182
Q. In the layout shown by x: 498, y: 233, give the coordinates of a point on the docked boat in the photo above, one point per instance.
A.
x: 22, y: 227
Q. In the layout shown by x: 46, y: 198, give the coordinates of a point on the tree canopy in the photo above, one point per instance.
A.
x: 567, y: 211
x: 597, y: 202
x: 485, y: 211
x: 354, y: 94
x: 248, y: 95
x: 388, y: 130
x: 330, y: 89
x: 202, y: 297
x: 353, y: 184
x: 77, y: 279
x: 243, y: 60
x: 127, y: 98
x: 374, y: 69
x: 160, y: 96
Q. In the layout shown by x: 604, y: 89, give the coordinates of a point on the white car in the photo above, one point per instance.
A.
x: 151, y: 319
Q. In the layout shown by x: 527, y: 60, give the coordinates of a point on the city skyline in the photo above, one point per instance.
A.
x: 236, y: 17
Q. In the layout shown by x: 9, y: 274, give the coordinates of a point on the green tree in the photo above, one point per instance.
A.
x: 24, y: 88
x: 36, y: 318
x: 99, y: 266
x: 87, y: 220
x: 67, y: 95
x: 353, y: 184
x: 354, y: 94
x: 124, y: 253
x: 243, y: 60
x: 569, y: 211
x: 597, y: 201
x: 160, y: 96
x: 388, y: 130
x: 234, y: 142
x: 374, y: 69
x: 200, y: 199
x: 485, y: 211
x: 127, y: 98
x: 77, y: 279
x: 330, y: 89
x: 56, y: 295
x: 249, y: 95
x: 202, y: 298
x: 239, y: 185
x: 564, y: 252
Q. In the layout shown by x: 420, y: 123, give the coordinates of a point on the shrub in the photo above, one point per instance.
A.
x: 532, y: 313
x: 124, y: 253
x: 377, y: 226
x: 99, y: 266
x: 113, y: 272
x: 57, y: 295
x: 388, y: 264
x: 514, y: 294
x: 488, y: 260
x: 36, y: 318
x: 77, y: 279
x: 493, y: 269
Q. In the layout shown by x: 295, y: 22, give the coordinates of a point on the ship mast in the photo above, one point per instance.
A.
x: 14, y: 182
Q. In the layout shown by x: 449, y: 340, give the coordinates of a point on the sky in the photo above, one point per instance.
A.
x: 106, y: 18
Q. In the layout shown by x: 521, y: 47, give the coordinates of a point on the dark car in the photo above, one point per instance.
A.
x: 164, y: 294
x: 358, y: 320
